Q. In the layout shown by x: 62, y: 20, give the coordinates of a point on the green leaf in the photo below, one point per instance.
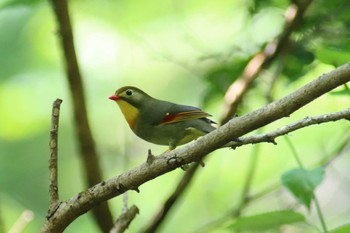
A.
x: 266, y: 221
x: 342, y: 229
x: 302, y: 183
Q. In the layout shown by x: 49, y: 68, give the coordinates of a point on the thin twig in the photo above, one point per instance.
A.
x: 320, y: 214
x: 124, y: 220
x: 308, y: 121
x: 237, y: 90
x: 171, y: 200
x: 294, y: 152
x: 53, y: 189
x: 88, y: 153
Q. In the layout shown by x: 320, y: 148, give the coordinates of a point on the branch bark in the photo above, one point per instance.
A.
x: 237, y: 90
x: 125, y: 219
x: 271, y: 136
x: 68, y: 211
x: 53, y: 189
x: 87, y: 148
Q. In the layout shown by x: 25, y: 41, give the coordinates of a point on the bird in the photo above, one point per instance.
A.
x: 161, y: 122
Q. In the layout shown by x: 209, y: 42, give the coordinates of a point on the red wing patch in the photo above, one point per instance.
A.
x: 183, y: 116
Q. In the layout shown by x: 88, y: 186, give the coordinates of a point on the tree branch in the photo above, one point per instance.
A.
x: 53, y: 189
x: 87, y: 148
x: 171, y: 200
x: 237, y: 90
x: 270, y: 137
x: 194, y: 151
x: 125, y: 219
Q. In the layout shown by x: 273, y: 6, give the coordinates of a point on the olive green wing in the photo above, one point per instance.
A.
x: 183, y: 113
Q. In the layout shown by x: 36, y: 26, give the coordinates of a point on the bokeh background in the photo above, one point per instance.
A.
x: 187, y: 52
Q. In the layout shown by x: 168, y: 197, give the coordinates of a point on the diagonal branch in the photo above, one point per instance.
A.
x: 270, y: 137
x: 68, y: 211
x: 172, y: 199
x: 88, y: 152
x: 237, y: 90
x: 125, y: 219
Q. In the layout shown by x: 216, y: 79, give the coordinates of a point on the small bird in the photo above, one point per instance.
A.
x: 161, y: 122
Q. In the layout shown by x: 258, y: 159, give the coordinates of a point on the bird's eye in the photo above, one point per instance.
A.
x: 128, y: 92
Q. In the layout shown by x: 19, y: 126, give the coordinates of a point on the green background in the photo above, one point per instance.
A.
x: 186, y: 52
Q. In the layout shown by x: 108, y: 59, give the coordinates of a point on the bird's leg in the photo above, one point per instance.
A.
x: 150, y: 157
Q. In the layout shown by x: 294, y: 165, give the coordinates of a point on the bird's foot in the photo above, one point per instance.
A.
x: 150, y: 157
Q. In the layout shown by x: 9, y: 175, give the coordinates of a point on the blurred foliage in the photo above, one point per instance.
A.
x: 302, y: 183
x: 343, y: 229
x: 267, y: 221
x: 183, y: 51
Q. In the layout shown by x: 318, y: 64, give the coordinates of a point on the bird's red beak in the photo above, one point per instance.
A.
x: 114, y: 97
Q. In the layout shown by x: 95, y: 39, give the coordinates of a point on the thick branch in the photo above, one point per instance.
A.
x: 194, y: 151
x: 237, y: 90
x: 88, y: 152
x: 53, y: 190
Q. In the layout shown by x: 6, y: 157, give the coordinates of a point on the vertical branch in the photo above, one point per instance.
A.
x: 88, y: 152
x: 53, y: 189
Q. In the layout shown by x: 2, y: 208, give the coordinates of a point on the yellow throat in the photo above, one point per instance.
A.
x: 130, y: 112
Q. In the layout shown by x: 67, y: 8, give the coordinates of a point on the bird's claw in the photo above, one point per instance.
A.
x: 150, y: 157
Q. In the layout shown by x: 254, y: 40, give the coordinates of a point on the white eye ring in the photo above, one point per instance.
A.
x: 129, y: 92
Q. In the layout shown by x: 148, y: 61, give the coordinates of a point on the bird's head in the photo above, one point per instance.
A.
x: 130, y: 99
x: 132, y: 95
